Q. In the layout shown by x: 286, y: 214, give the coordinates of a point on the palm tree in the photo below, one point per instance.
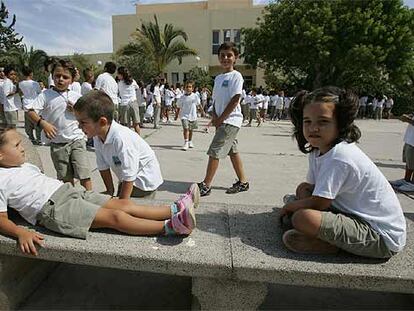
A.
x: 160, y: 47
x: 32, y: 58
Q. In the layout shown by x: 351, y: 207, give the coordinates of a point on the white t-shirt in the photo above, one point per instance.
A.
x: 11, y: 103
x: 127, y: 92
x: 30, y: 90
x: 178, y: 93
x: 141, y: 96
x: 86, y: 87
x: 107, y: 83
x: 76, y: 87
x: 226, y: 86
x: 347, y: 176
x: 168, y: 97
x: 363, y: 101
x: 256, y: 102
x: 52, y: 106
x: 129, y: 156
x: 409, y: 135
x: 188, y: 106
x: 273, y: 100
x: 389, y: 103
x: 287, y: 101
x: 204, y: 95
x: 266, y: 101
x: 156, y: 95
x: 279, y: 102
x: 50, y: 82
x: 2, y: 97
x: 26, y: 189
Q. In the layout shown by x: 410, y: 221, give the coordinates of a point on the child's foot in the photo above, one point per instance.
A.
x: 181, y: 223
x: 406, y: 187
x: 238, y: 186
x: 185, y: 146
x: 191, y: 197
x: 300, y: 243
x: 398, y: 182
x: 204, y: 189
x: 287, y: 198
x: 190, y: 144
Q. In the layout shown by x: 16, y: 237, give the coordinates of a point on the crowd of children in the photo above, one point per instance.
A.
x: 346, y: 202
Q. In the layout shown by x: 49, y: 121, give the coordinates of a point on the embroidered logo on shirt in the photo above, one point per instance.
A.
x: 116, y: 160
x: 225, y: 83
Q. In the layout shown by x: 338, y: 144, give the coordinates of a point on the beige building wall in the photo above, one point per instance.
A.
x: 198, y: 20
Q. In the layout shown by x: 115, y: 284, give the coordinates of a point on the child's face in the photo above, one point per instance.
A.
x: 320, y: 126
x: 12, y: 75
x: 227, y: 59
x: 188, y: 88
x: 87, y: 125
x: 62, y: 78
x: 12, y: 151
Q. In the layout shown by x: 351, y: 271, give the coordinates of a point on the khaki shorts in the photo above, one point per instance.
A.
x: 129, y: 112
x: 70, y: 160
x: 189, y: 125
x: 71, y: 211
x: 224, y: 142
x: 352, y: 234
x: 253, y: 113
x: 11, y: 117
x: 408, y: 156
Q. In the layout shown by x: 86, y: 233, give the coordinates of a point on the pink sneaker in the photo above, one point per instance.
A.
x: 191, y: 197
x: 182, y: 223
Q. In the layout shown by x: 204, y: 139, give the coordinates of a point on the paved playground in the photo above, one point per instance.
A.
x: 274, y: 166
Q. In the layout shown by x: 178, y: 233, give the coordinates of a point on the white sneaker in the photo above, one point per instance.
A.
x: 185, y: 146
x: 190, y: 144
x: 407, y: 187
x: 398, y: 182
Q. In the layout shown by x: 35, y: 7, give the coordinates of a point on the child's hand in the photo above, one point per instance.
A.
x: 27, y: 241
x: 49, y: 129
x: 69, y: 106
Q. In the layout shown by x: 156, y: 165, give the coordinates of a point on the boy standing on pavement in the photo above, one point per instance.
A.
x: 227, y: 118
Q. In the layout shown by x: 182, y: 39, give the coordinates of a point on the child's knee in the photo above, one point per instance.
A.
x: 304, y: 219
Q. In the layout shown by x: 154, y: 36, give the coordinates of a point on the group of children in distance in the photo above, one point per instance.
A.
x: 346, y: 202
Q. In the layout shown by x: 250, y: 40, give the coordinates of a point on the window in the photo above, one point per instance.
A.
x: 216, y: 41
x: 227, y: 35
x: 186, y: 76
x: 236, y: 38
x: 175, y: 77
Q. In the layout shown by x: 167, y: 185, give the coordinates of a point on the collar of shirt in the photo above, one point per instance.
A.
x: 111, y: 133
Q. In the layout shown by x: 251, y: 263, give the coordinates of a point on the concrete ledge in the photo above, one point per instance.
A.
x: 206, y: 253
x: 259, y: 254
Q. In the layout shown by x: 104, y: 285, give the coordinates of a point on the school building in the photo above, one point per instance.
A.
x: 207, y: 23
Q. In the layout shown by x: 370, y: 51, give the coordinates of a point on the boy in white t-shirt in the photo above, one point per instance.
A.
x: 88, y: 76
x: 118, y: 148
x: 73, y: 211
x: 30, y: 90
x: 2, y: 78
x: 11, y: 97
x: 187, y: 106
x: 407, y: 183
x: 227, y: 118
x: 106, y: 82
x: 60, y: 128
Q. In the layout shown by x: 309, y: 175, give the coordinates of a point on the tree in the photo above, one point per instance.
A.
x: 31, y: 58
x: 201, y: 77
x: 160, y: 47
x: 131, y: 56
x: 9, y: 40
x: 361, y: 44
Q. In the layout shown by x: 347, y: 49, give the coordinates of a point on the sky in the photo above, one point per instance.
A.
x: 64, y: 27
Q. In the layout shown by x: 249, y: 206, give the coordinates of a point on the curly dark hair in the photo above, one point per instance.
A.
x: 346, y: 108
x: 65, y: 64
x: 126, y: 76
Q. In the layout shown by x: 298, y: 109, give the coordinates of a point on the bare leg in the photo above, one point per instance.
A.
x: 190, y: 135
x: 185, y: 133
x: 212, y: 167
x: 161, y: 212
x: 409, y: 175
x: 86, y: 183
x: 137, y: 128
x: 121, y: 221
x: 307, y: 221
x: 238, y: 167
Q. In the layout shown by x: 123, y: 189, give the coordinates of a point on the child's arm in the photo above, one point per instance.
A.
x: 407, y: 118
x: 312, y: 202
x: 107, y: 179
x: 27, y: 239
x: 234, y: 101
x: 126, y: 189
x: 49, y: 129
